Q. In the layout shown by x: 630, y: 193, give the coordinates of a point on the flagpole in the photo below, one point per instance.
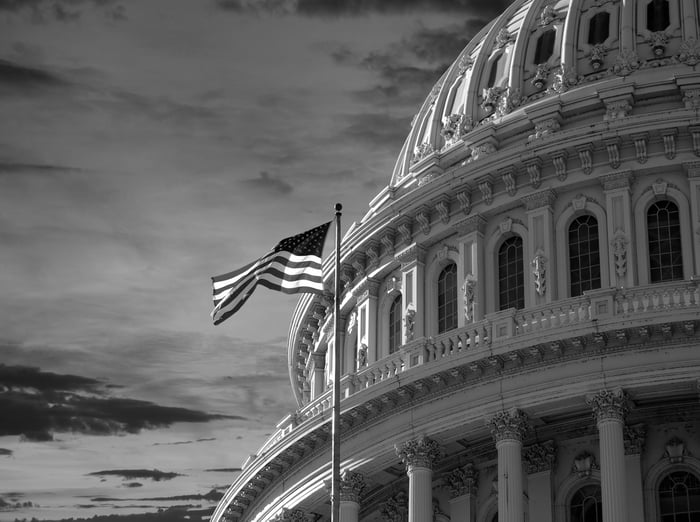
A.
x: 335, y: 427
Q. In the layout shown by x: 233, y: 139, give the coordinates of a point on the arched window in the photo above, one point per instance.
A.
x: 584, y: 255
x: 447, y: 298
x: 599, y: 28
x: 586, y: 505
x: 494, y: 73
x: 679, y: 497
x: 511, y: 286
x: 395, y: 324
x: 658, y: 16
x: 544, y: 48
x: 664, y: 235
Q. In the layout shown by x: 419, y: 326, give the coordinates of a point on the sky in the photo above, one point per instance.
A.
x: 145, y: 146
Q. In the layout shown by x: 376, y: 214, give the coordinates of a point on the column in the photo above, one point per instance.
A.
x: 351, y: 487
x: 635, y: 437
x: 609, y: 408
x: 618, y: 190
x: 540, y: 254
x: 418, y: 456
x: 316, y: 365
x: 508, y: 429
x: 412, y: 259
x: 627, y: 23
x: 367, y: 292
x: 539, y: 460
x: 461, y: 483
x: 470, y: 271
x: 693, y: 170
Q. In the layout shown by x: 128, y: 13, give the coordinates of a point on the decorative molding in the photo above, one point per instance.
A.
x: 690, y: 52
x: 669, y: 137
x: 409, y: 321
x: 468, y: 292
x: 291, y: 515
x: 421, y: 452
x: 465, y: 201
x: 372, y: 253
x: 545, y: 128
x: 508, y: 175
x: 455, y: 127
x: 503, y: 37
x: 543, y: 198
x: 619, y: 249
x: 388, y: 242
x: 608, y: 405
x: 675, y: 450
x: 508, y: 425
x: 548, y: 15
x: 617, y: 180
x: 475, y: 223
x: 442, y: 206
x: 585, y: 156
x: 462, y: 481
x: 612, y: 145
x: 506, y: 225
x: 634, y: 438
x: 579, y: 202
x: 539, y: 270
x: 422, y: 217
x: 540, y: 457
x: 351, y: 486
x: 404, y: 229
x: 534, y: 169
x: 421, y: 151
x: 659, y: 187
x: 692, y: 169
x: 658, y: 41
x: 393, y: 285
x: 617, y: 109
x: 584, y: 464
x: 411, y: 254
x: 691, y: 99
x: 482, y: 150
x: 395, y: 509
x: 641, y: 140
x: 559, y: 161
x: 564, y: 78
x: 539, y: 81
x: 596, y: 56
x: 466, y: 62
x: 486, y: 188
x: 626, y: 62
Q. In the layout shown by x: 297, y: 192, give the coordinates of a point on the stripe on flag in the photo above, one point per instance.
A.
x: 293, y: 266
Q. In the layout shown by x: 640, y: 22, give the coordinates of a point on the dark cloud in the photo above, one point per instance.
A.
x: 212, y: 496
x: 377, y: 130
x: 267, y: 184
x: 35, y: 404
x: 129, y: 474
x: 361, y: 7
x: 178, y: 443
x: 14, y: 76
x: 9, y: 168
x: 42, y: 11
x: 224, y: 470
x: 4, y: 452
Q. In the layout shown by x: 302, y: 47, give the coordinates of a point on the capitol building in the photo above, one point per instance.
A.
x: 520, y: 308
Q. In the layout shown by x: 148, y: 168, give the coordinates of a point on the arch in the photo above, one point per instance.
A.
x: 579, y: 208
x: 383, y: 309
x: 446, y: 255
x: 641, y: 207
x: 488, y: 509
x: 657, y: 473
x: 568, y: 488
x: 507, y: 228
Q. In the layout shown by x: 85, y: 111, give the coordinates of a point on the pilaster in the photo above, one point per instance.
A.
x: 461, y: 483
x: 634, y: 438
x: 539, y: 460
x: 693, y: 171
x: 540, y: 251
x: 412, y: 259
x: 367, y: 292
x: 471, y: 270
x: 618, y: 190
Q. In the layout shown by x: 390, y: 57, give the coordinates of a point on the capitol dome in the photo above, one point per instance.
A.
x: 521, y: 304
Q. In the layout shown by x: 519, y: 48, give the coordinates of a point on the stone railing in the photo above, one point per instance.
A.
x: 512, y: 329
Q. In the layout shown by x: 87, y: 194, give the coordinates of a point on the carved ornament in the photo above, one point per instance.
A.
x: 508, y: 425
x: 690, y: 52
x: 395, y: 509
x: 539, y: 270
x: 634, y: 438
x: 612, y: 145
x: 640, y: 146
x: 675, y: 450
x: 669, y: 137
x: 351, y: 486
x: 462, y: 481
x: 465, y: 201
x: 486, y: 188
x: 609, y: 405
x: 585, y: 156
x: 626, y: 62
x: 559, y: 161
x: 534, y: 169
x: 543, y: 198
x: 584, y: 464
x: 617, y: 180
x: 422, y: 452
x: 540, y: 457
x: 508, y: 175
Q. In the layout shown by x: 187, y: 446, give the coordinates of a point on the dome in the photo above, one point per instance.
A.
x: 520, y: 305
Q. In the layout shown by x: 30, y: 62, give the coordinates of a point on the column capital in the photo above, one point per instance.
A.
x: 617, y: 180
x: 352, y: 485
x: 468, y: 225
x: 462, y: 481
x: 608, y: 405
x: 543, y: 198
x: 508, y: 425
x: 422, y: 452
x: 634, y: 437
x: 395, y: 509
x: 291, y: 515
x: 410, y: 255
x: 540, y: 457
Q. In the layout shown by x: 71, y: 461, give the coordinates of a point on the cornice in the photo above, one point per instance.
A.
x: 543, y: 198
x: 617, y: 180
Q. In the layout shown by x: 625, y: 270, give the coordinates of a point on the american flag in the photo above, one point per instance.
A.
x: 293, y: 266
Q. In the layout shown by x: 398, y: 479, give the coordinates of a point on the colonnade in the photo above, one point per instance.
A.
x: 509, y: 429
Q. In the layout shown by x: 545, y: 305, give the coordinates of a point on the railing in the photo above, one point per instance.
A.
x: 510, y: 326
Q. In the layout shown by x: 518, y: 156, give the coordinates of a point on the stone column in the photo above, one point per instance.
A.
x: 470, y: 272
x: 461, y: 483
x: 418, y: 456
x: 413, y: 284
x: 539, y: 459
x: 635, y: 437
x: 539, y: 250
x: 367, y: 292
x: 508, y: 429
x: 609, y: 408
x: 316, y: 367
x: 351, y: 486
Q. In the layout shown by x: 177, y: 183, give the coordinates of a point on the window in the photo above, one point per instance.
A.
x: 584, y: 255
x: 511, y: 287
x: 586, y: 505
x: 679, y: 497
x: 544, y: 48
x: 599, y: 28
x: 493, y: 74
x: 664, y: 235
x: 658, y: 17
x: 395, y: 324
x: 447, y: 298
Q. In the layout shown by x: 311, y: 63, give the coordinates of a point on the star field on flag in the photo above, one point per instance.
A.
x: 293, y: 266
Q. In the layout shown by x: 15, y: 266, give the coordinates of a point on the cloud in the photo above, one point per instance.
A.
x: 212, y: 495
x: 10, y: 168
x: 14, y: 76
x: 129, y: 474
x: 35, y: 404
x: 267, y: 184
x: 4, y: 452
x: 375, y: 130
x: 359, y: 7
x: 224, y: 470
x: 43, y: 11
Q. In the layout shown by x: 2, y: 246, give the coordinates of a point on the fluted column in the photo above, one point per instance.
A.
x: 419, y: 456
x: 351, y: 486
x: 609, y: 408
x: 508, y: 429
x: 462, y: 486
